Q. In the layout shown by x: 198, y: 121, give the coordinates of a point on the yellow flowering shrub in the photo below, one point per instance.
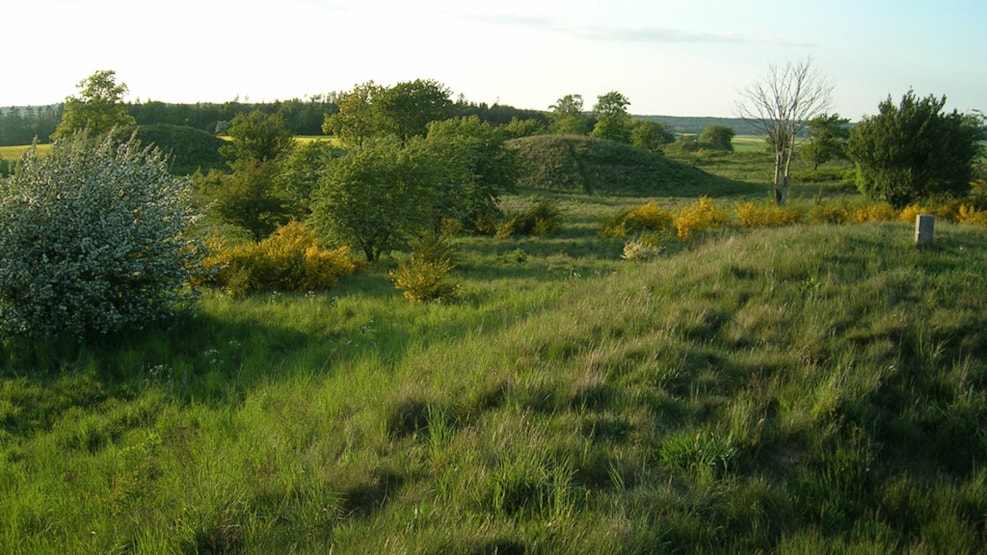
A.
x: 292, y: 259
x: 967, y: 213
x: 829, y: 213
x: 649, y: 217
x: 424, y: 276
x: 874, y: 213
x: 698, y: 217
x: 752, y: 214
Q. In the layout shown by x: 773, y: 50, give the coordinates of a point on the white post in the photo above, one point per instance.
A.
x: 924, y: 224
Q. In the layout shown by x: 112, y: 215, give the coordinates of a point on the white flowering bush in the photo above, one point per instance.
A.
x: 93, y: 239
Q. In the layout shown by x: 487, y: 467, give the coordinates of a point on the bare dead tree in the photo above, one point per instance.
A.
x: 779, y: 105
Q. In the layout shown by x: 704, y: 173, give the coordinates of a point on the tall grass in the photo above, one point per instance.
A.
x: 798, y: 389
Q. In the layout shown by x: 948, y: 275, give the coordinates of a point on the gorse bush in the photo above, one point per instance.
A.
x: 93, y: 239
x: 291, y: 259
x: 649, y: 217
x: 699, y: 217
x: 424, y: 276
x: 752, y: 214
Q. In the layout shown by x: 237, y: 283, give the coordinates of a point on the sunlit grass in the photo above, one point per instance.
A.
x: 747, y: 390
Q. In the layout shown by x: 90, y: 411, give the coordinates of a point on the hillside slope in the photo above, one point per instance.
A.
x: 581, y: 164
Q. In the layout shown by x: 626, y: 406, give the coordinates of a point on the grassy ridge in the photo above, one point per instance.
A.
x: 759, y: 391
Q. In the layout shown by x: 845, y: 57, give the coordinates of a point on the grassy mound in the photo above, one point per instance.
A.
x: 581, y: 164
x: 795, y: 390
x: 190, y: 149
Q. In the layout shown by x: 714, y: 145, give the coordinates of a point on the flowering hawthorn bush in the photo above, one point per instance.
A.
x: 93, y: 239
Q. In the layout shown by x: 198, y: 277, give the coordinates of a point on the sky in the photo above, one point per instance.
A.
x: 667, y: 57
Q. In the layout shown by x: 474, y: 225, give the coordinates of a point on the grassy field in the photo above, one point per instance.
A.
x: 750, y: 390
x: 801, y: 389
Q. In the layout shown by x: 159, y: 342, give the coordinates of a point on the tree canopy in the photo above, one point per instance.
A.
x: 828, y: 134
x: 404, y: 110
x: 650, y: 135
x: 567, y: 115
x: 915, y: 151
x: 257, y: 136
x: 613, y: 121
x: 98, y: 108
x: 718, y: 136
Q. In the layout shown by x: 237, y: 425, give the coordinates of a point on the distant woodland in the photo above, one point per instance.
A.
x: 20, y: 125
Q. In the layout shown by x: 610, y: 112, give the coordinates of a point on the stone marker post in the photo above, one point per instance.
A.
x: 924, y: 224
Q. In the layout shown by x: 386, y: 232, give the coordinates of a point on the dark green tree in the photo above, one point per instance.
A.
x: 828, y: 135
x: 407, y: 108
x: 613, y: 121
x: 257, y: 137
x: 915, y: 151
x: 650, y: 135
x: 477, y: 168
x: 248, y: 199
x: 718, y: 136
x: 567, y: 117
x: 98, y: 108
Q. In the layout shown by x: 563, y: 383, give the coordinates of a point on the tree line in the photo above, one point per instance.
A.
x: 302, y: 116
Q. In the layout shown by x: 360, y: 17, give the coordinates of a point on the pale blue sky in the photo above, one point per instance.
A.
x: 671, y: 57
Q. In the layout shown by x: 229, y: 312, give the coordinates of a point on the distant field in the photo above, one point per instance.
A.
x: 15, y: 152
x: 748, y: 143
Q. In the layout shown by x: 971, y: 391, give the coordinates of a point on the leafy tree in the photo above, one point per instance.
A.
x: 356, y: 120
x: 476, y: 168
x: 94, y: 240
x: 407, y: 108
x: 613, y: 121
x: 779, y: 105
x: 299, y: 172
x: 718, y: 136
x: 98, y: 108
x: 828, y: 135
x: 650, y: 135
x: 915, y: 151
x: 567, y: 117
x: 379, y: 196
x: 403, y: 110
x: 257, y: 137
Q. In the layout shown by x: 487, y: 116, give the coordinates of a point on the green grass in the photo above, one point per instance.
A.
x: 802, y: 389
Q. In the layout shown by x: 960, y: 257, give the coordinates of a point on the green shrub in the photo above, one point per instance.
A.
x: 93, y: 239
x: 291, y: 259
x: 544, y: 217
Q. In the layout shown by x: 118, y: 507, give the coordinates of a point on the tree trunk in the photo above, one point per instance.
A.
x: 780, y: 182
